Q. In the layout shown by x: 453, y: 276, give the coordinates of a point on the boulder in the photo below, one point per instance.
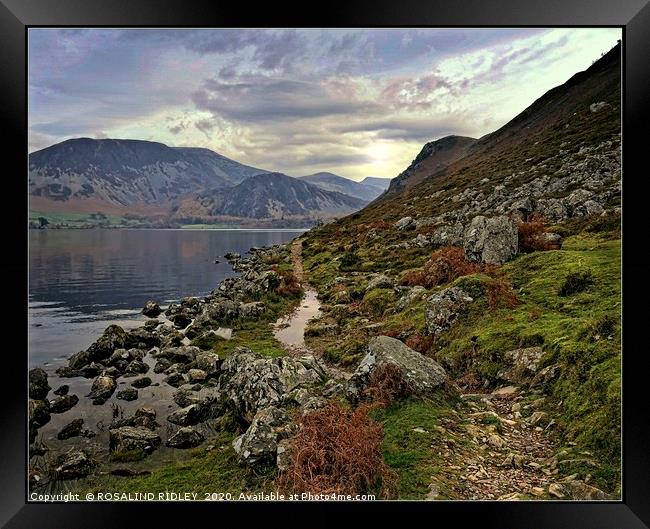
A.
x: 522, y: 364
x: 422, y: 374
x: 447, y: 235
x: 136, y: 367
x: 38, y: 386
x: 259, y: 444
x: 491, y: 240
x: 114, y: 337
x: 207, y: 362
x: 251, y: 310
x: 442, y: 309
x: 142, y: 382
x: 133, y: 438
x: 196, y: 375
x: 181, y: 319
x: 410, y: 296
x: 72, y: 429
x: 141, y: 338
x: 175, y: 380
x: 249, y: 381
x: 144, y: 417
x: 62, y: 390
x: 73, y: 465
x: 39, y: 413
x: 552, y: 209
x: 151, y: 309
x: 102, y: 389
x: 405, y: 223
x: 192, y: 414
x: 380, y: 281
x: 182, y: 355
x: 127, y: 394
x: 63, y: 403
x: 185, y: 438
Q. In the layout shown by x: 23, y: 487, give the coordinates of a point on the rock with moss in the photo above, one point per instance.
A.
x: 259, y: 444
x: 151, y: 309
x: 38, y: 386
x: 63, y: 403
x: 522, y: 364
x: 185, y: 437
x: 491, y: 240
x: 102, y: 389
x: 249, y: 381
x: 72, y: 429
x: 114, y: 337
x: 422, y: 375
x: 133, y: 439
x: 443, y: 308
x: 74, y: 464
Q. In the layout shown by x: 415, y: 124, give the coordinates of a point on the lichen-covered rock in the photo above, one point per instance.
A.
x: 73, y: 465
x: 259, y: 444
x: 141, y: 382
x: 133, y: 438
x: 114, y: 337
x: 39, y: 413
x: 183, y: 354
x: 141, y: 338
x: 144, y: 417
x: 151, y: 309
x: 405, y: 223
x: 102, y: 389
x: 422, y: 374
x: 38, y: 386
x: 442, y: 309
x: 380, y: 281
x: 251, y: 310
x: 447, y: 235
x: 199, y: 411
x: 491, y: 240
x: 72, y: 429
x: 63, y: 403
x: 249, y: 381
x: 522, y: 364
x: 410, y: 296
x: 185, y: 438
x: 127, y: 394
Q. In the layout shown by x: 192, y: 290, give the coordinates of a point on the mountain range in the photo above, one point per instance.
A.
x: 116, y: 176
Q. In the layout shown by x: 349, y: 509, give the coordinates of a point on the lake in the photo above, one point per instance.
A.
x: 80, y: 281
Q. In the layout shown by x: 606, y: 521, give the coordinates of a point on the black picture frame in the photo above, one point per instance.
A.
x: 16, y: 16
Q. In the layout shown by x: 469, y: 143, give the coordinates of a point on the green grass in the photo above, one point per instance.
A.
x: 416, y: 456
x: 201, y: 472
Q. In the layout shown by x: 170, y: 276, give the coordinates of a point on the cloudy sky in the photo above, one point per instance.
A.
x: 354, y: 102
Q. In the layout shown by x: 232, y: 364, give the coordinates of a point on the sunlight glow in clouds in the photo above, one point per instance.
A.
x: 354, y: 102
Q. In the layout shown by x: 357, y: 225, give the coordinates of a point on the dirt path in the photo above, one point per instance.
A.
x: 290, y: 329
x: 506, y: 455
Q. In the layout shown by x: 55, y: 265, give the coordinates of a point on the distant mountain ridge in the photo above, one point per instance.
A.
x: 129, y: 172
x: 269, y: 196
x: 333, y: 182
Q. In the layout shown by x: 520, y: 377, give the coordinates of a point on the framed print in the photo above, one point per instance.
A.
x: 370, y: 257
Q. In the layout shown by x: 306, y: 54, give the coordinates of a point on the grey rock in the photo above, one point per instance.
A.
x: 141, y: 382
x: 443, y: 308
x: 491, y: 240
x: 259, y: 443
x: 380, y: 281
x: 102, y: 389
x: 72, y: 429
x: 522, y: 364
x: 73, y: 465
x: 249, y: 381
x: 405, y: 223
x: 62, y: 390
x: 185, y: 438
x: 127, y: 394
x: 133, y: 438
x: 38, y: 386
x: 63, y: 403
x: 151, y: 309
x: 422, y: 374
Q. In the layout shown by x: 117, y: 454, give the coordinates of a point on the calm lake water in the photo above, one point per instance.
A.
x: 80, y: 281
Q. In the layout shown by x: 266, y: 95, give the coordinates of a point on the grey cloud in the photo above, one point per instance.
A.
x: 259, y: 99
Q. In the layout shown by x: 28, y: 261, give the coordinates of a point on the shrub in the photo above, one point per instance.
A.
x: 338, y: 451
x: 420, y: 342
x: 531, y: 236
x: 386, y: 384
x: 377, y: 300
x: 289, y: 284
x: 576, y: 282
x: 348, y: 260
x: 499, y: 294
x: 445, y: 265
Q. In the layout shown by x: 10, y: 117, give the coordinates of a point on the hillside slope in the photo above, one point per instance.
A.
x: 525, y: 226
